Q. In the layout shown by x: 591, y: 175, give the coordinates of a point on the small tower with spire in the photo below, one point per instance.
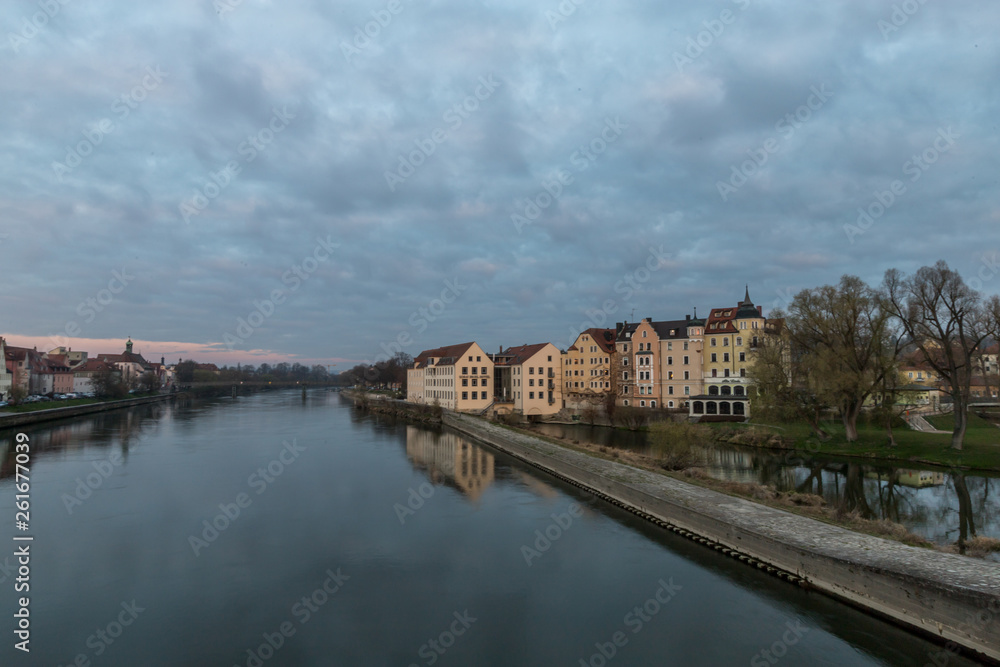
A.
x: 128, y: 345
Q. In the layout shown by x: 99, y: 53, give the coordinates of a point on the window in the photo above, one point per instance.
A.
x: 475, y: 382
x: 470, y: 358
x: 685, y: 345
x: 625, y: 402
x: 670, y: 404
x: 642, y: 403
x: 714, y: 359
x: 670, y: 345
x: 625, y: 375
x: 465, y: 395
x: 687, y: 360
x: 540, y: 371
x: 687, y: 375
x: 743, y: 372
x: 474, y: 370
x: 670, y: 375
x: 465, y: 382
x: 670, y: 361
x: 484, y: 370
x: 479, y: 358
x: 687, y: 391
x: 739, y: 341
x: 465, y: 370
x: 531, y: 382
x: 550, y: 357
x: 643, y: 334
x: 743, y: 356
x: 670, y: 390
x: 725, y: 341
x: 475, y: 395
x: 531, y: 370
x: 725, y: 357
x: 531, y: 394
x: 725, y: 373
x: 652, y: 404
x: 713, y: 342
x: 625, y: 361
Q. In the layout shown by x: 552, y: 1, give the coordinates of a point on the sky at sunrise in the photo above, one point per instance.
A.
x: 327, y: 182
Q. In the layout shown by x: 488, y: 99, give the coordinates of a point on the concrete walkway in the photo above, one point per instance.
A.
x: 945, y: 596
x: 918, y: 423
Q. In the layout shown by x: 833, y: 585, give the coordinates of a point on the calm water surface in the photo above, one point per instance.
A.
x: 932, y: 502
x: 371, y: 542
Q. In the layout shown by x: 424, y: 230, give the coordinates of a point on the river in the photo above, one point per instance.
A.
x: 278, y: 529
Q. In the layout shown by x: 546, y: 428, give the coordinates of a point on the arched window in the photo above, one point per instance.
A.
x: 670, y: 404
x: 726, y: 391
x: 699, y: 408
x: 723, y: 408
x: 713, y: 391
x: 738, y: 390
x: 652, y: 404
x: 738, y: 409
x: 710, y: 408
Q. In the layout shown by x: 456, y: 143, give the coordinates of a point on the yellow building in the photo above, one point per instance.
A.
x: 528, y: 379
x: 456, y: 377
x: 586, y: 366
x: 731, y: 334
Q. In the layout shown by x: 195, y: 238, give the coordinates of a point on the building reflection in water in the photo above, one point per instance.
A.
x: 450, y: 459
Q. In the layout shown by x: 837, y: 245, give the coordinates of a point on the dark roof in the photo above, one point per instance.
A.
x: 605, y: 339
x: 663, y: 329
x: 445, y: 355
x: 513, y: 356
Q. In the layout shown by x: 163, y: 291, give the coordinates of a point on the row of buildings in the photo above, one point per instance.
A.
x: 700, y: 366
x: 64, y: 370
x: 691, y: 364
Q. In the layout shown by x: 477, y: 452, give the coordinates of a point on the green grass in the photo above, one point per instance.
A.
x: 48, y: 405
x: 981, y: 449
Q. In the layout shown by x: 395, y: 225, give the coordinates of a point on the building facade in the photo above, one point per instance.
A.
x: 586, y: 368
x: 456, y: 377
x: 529, y: 380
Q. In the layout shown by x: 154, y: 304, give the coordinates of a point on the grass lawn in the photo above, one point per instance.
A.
x: 981, y: 448
x: 51, y: 405
x: 48, y: 405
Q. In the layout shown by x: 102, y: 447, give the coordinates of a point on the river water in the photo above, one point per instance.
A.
x: 281, y: 530
x: 933, y: 502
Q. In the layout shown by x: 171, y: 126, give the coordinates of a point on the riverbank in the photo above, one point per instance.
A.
x: 953, y: 599
x: 18, y: 419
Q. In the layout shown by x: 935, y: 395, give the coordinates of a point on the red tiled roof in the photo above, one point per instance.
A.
x: 605, y: 339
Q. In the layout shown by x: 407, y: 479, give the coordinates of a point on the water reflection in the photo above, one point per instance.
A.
x: 941, y: 506
x: 451, y: 460
x: 122, y: 428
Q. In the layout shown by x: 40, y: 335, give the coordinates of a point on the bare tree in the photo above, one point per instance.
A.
x: 946, y: 320
x: 845, y: 335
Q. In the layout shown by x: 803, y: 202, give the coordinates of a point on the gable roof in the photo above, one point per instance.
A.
x: 444, y: 355
x: 518, y: 354
x: 605, y: 339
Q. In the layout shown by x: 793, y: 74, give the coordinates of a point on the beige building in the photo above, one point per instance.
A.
x: 660, y: 363
x: 456, y: 377
x: 529, y: 379
x: 586, y: 367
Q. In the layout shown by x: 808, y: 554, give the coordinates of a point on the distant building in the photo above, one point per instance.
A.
x: 660, y: 362
x: 587, y: 366
x: 83, y: 374
x: 130, y: 364
x: 456, y: 377
x: 529, y: 379
x: 6, y: 377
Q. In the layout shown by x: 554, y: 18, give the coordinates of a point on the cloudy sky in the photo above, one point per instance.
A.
x: 414, y: 173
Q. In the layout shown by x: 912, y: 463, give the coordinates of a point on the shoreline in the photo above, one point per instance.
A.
x: 941, y: 596
x: 17, y: 419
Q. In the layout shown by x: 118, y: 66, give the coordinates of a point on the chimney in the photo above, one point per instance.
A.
x: 760, y: 310
x: 687, y: 318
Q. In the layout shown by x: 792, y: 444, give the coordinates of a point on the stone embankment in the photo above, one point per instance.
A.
x: 952, y: 598
x: 25, y: 418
